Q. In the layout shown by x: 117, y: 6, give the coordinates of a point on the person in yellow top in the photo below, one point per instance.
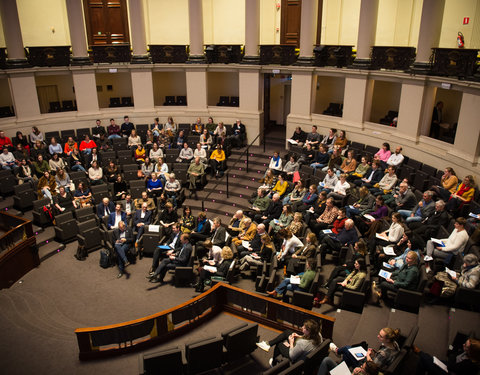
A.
x: 464, y: 194
x: 281, y: 186
x: 449, y: 183
x: 217, y: 161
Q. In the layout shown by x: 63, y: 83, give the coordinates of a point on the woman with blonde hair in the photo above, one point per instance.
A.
x: 382, y: 357
x: 219, y: 269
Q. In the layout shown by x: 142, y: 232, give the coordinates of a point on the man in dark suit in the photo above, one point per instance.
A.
x: 140, y: 219
x: 239, y: 134
x: 116, y: 217
x: 437, y: 119
x: 122, y: 241
x: 273, y: 211
x: 126, y: 127
x: 175, y: 259
x: 105, y: 208
x: 428, y: 227
x: 171, y: 245
x: 218, y: 238
x: 373, y: 176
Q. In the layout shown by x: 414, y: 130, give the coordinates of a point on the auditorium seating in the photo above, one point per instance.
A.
x: 65, y: 227
x: 23, y: 197
x: 39, y: 216
x: 168, y: 361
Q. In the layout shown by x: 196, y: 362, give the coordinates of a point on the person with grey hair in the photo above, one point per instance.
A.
x: 470, y: 273
x: 428, y: 228
x: 422, y: 210
x: 273, y: 211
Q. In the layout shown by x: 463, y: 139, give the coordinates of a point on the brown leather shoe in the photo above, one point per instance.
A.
x: 273, y: 293
x: 324, y: 300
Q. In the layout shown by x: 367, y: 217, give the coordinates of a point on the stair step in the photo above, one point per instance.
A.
x: 49, y: 249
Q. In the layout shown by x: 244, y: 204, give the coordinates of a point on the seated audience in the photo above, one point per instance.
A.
x: 313, y: 138
x: 353, y: 281
x: 105, y: 207
x: 265, y: 254
x: 217, y: 161
x: 218, y: 269
x: 122, y: 239
x: 396, y: 159
x: 306, y: 279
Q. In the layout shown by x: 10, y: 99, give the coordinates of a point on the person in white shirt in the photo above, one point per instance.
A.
x: 289, y: 245
x: 7, y: 159
x: 454, y: 244
x: 329, y: 182
x: 186, y: 154
x: 200, y: 153
x: 156, y: 153
x: 276, y: 163
x: 396, y: 158
x: 340, y: 189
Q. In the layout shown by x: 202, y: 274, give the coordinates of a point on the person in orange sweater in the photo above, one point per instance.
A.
x: 217, y: 161
x: 87, y: 145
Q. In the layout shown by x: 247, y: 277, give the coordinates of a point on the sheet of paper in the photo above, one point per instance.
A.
x: 377, y: 235
x: 440, y: 364
x: 358, y: 350
x: 246, y: 244
x: 471, y: 214
x: 438, y: 242
x: 389, y: 250
x: 384, y: 274
x: 341, y: 369
x: 327, y: 231
x: 369, y: 217
x: 386, y: 265
x: 154, y: 228
x: 452, y: 273
x: 295, y: 280
x: 210, y: 268
x: 292, y: 141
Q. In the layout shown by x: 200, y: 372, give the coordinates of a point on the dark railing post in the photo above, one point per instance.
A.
x: 203, y: 206
x: 228, y: 195
x: 248, y: 150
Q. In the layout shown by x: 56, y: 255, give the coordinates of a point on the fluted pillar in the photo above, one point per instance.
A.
x: 137, y: 26
x: 76, y: 26
x: 13, y: 34
x: 308, y: 28
x: 429, y: 35
x: 252, y: 31
x: 195, y: 21
x: 366, y: 33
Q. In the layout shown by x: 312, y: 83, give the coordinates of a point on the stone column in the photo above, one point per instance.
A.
x: 24, y: 95
x: 13, y: 34
x: 308, y: 28
x: 85, y: 90
x: 76, y: 26
x: 366, y: 33
x: 252, y: 31
x: 137, y: 25
x: 142, y: 88
x: 429, y: 35
x: 195, y: 21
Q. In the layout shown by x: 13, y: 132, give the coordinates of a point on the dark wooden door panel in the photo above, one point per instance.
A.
x: 291, y: 19
x: 106, y: 21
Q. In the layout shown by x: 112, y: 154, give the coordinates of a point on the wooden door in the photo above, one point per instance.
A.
x: 107, y: 22
x: 290, y: 23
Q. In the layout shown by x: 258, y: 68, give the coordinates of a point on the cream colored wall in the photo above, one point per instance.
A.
x: 2, y: 37
x: 328, y: 90
x: 453, y: 16
x: 224, y: 21
x: 386, y: 97
x: 221, y: 84
x: 269, y: 22
x: 43, y: 23
x: 64, y: 83
x: 167, y: 84
x: 121, y: 83
x: 398, y: 22
x: 452, y: 100
x: 277, y: 91
x: 340, y: 22
x: 166, y: 21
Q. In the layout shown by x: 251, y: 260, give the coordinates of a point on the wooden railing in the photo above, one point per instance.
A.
x: 281, y: 54
x: 392, y: 58
x: 223, y: 53
x: 100, y: 342
x: 167, y: 54
x: 338, y: 56
x: 18, y: 251
x: 48, y: 56
x: 455, y: 62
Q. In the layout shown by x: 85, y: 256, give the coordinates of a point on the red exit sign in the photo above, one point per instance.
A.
x: 466, y: 20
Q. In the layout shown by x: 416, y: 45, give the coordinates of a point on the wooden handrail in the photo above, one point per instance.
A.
x: 20, y: 254
x: 130, y: 336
